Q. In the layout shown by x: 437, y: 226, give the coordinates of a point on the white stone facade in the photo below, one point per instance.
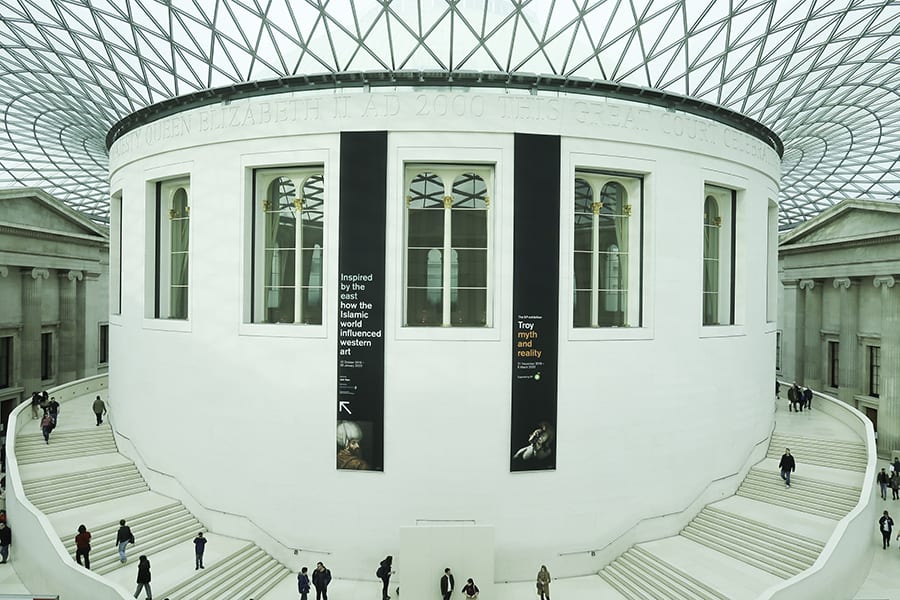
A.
x: 242, y: 413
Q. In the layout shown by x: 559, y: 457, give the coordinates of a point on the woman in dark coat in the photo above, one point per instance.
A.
x: 384, y: 574
x: 143, y: 577
x: 83, y: 546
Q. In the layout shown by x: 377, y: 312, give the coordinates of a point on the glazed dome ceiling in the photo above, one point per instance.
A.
x: 824, y: 75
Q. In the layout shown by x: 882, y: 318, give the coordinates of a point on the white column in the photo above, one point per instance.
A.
x: 888, y: 402
x: 812, y: 346
x: 791, y: 342
x: 32, y: 290
x: 68, y: 326
x: 849, y: 350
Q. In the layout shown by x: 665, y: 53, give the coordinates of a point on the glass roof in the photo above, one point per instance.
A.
x: 823, y: 74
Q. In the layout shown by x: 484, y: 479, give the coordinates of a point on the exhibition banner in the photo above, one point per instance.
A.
x: 360, y: 348
x: 535, y: 319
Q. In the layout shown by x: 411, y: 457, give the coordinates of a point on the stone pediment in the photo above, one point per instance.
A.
x: 34, y: 209
x: 848, y: 221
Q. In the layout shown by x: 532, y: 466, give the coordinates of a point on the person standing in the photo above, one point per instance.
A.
x: 47, y: 426
x: 143, y: 577
x: 883, y: 481
x: 886, y: 525
x: 543, y: 583
x: 5, y: 541
x: 303, y: 583
x: 787, y: 466
x: 807, y: 399
x: 123, y: 538
x: 199, y: 546
x: 384, y: 573
x: 83, y: 547
x: 792, y: 397
x: 99, y: 408
x: 321, y: 577
x: 447, y: 584
x: 470, y: 589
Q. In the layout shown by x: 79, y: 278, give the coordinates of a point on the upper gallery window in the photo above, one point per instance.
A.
x: 607, y: 246
x: 447, y: 245
x: 288, y: 245
x: 172, y: 259
x: 718, y: 255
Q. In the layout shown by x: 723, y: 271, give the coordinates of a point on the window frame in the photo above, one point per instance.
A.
x: 873, y: 370
x: 260, y: 179
x: 163, y: 216
x: 726, y: 225
x: 103, y: 343
x: 633, y: 185
x: 832, y: 358
x: 449, y: 172
x: 48, y: 355
x: 10, y: 342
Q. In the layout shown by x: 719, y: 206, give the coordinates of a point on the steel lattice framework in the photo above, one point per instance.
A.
x: 824, y: 75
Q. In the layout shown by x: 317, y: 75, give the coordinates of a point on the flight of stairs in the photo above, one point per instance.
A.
x: 96, y: 475
x: 752, y: 550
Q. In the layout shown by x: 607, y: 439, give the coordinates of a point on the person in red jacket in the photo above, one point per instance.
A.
x: 83, y: 546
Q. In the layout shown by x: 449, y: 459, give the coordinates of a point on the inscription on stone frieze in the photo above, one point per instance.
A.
x: 600, y: 118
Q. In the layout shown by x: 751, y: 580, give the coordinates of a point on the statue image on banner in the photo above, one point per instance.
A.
x: 351, y: 449
x: 540, y: 444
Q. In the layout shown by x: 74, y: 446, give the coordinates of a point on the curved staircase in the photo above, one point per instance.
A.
x: 80, y: 478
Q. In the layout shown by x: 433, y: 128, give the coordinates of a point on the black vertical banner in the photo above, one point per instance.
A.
x: 535, y: 324
x: 360, y: 385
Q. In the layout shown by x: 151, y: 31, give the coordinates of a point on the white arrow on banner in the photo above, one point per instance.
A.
x: 344, y: 405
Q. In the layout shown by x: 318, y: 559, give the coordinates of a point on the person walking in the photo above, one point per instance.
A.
x: 47, y: 426
x: 35, y: 404
x: 384, y: 573
x: 303, y: 583
x: 470, y: 589
x: 895, y: 485
x: 883, y: 481
x: 53, y: 410
x: 99, y: 408
x: 543, y: 583
x: 83, y: 547
x: 123, y: 538
x: 787, y: 466
x: 447, y: 584
x: 199, y: 546
x: 143, y: 577
x: 321, y: 577
x: 807, y: 399
x: 5, y: 541
x: 885, y: 525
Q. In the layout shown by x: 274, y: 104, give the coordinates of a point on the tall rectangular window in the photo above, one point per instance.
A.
x: 719, y: 229
x: 448, y: 245
x: 46, y: 356
x: 103, y: 344
x: 874, y: 360
x: 833, y: 363
x: 288, y: 245
x: 778, y: 351
x: 607, y: 246
x: 6, y: 361
x: 172, y: 254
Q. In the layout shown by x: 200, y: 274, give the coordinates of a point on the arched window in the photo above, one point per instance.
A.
x: 447, y: 212
x: 719, y: 230
x: 288, y: 248
x: 172, y: 255
x: 606, y: 250
x: 711, y: 223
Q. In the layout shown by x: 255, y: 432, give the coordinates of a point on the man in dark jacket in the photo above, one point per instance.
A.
x: 787, y: 466
x: 807, y: 399
x: 123, y: 538
x: 885, y: 525
x: 5, y: 541
x: 883, y: 480
x: 447, y: 584
x: 321, y: 577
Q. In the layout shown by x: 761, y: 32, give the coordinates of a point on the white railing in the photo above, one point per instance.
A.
x: 844, y: 563
x: 43, y: 563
